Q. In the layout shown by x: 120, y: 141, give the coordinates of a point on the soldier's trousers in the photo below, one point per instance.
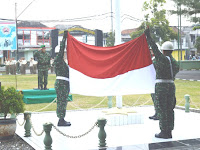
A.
x: 154, y: 102
x: 165, y: 104
x: 42, y: 74
x: 34, y: 69
x: 7, y: 69
x: 62, y: 91
x: 31, y: 69
x: 23, y: 69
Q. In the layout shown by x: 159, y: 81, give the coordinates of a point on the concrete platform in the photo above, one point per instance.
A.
x: 124, y: 137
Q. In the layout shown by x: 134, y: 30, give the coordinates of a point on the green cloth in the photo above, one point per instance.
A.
x: 40, y: 96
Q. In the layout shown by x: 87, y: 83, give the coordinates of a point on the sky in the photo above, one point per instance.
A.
x: 96, y: 13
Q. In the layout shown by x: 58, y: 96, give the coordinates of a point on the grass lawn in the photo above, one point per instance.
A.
x: 28, y: 81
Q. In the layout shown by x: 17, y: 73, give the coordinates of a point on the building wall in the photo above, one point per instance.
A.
x: 177, y: 54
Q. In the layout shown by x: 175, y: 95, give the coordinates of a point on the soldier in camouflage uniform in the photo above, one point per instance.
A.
x: 155, y: 116
x: 43, y: 66
x: 166, y: 69
x: 62, y: 83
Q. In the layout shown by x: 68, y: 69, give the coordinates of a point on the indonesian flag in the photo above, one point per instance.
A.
x: 105, y: 71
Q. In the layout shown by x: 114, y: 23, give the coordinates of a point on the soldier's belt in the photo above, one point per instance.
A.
x: 62, y: 78
x: 164, y: 81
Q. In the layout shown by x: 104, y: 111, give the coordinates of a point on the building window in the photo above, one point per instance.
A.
x: 27, y: 38
x: 20, y: 38
x: 43, y: 37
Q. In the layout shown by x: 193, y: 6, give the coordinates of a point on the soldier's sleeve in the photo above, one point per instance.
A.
x: 177, y: 67
x: 49, y: 60
x: 35, y: 54
x: 62, y: 44
x: 152, y: 43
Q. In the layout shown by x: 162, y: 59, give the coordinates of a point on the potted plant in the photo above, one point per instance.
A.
x: 11, y: 102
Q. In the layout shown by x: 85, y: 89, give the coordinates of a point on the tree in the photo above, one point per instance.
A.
x: 110, y: 40
x: 197, y: 44
x: 157, y: 22
x: 190, y: 8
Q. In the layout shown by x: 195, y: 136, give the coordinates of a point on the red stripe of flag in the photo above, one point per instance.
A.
x: 108, y: 62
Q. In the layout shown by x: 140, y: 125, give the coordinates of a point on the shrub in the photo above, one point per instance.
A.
x: 11, y: 101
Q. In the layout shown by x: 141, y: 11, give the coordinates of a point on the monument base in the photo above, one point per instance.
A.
x: 123, y: 116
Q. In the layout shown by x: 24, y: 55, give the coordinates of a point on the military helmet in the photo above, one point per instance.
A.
x: 167, y: 46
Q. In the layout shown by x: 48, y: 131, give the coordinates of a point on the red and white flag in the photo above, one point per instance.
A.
x: 105, y: 71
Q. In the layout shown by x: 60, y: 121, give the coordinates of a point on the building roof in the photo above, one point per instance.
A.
x: 30, y: 24
x: 129, y: 31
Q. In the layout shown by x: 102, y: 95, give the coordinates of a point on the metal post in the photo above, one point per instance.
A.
x: 118, y: 41
x: 187, y: 103
x: 110, y: 101
x: 27, y: 126
x: 111, y: 18
x: 180, y: 33
x: 102, y: 133
x: 47, y: 139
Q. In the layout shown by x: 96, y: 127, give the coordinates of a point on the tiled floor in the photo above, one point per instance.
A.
x: 186, y: 133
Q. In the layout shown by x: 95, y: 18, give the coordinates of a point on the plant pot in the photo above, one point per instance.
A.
x: 7, y: 128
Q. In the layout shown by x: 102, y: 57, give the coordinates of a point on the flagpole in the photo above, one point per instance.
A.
x: 118, y: 41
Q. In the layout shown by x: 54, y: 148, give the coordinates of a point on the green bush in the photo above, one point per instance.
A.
x: 11, y: 101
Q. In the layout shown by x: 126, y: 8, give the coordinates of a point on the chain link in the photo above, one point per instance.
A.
x: 55, y: 100
x: 78, y: 136
x: 193, y: 103
x: 22, y: 123
x: 180, y: 102
x: 77, y: 107
x: 38, y: 134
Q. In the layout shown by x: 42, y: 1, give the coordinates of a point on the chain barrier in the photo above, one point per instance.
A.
x: 77, y: 107
x: 180, y: 102
x: 193, y: 103
x: 77, y: 136
x: 38, y: 134
x: 55, y: 100
x: 138, y: 105
x: 22, y: 123
x: 145, y: 103
x: 133, y: 103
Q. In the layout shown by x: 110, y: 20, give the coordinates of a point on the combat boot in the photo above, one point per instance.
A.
x: 164, y: 134
x: 62, y: 122
x: 41, y: 87
x: 45, y: 87
x: 154, y: 117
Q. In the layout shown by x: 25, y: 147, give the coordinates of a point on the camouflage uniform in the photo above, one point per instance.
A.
x: 43, y: 66
x: 164, y: 92
x: 153, y: 94
x: 61, y: 85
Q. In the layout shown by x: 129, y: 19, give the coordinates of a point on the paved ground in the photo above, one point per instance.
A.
x: 125, y: 137
x: 189, y: 74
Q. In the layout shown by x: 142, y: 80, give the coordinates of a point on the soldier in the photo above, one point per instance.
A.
x: 155, y: 116
x: 31, y: 65
x: 7, y: 64
x: 34, y: 66
x: 62, y: 83
x: 52, y: 67
x: 166, y: 69
x: 14, y: 62
x: 23, y: 65
x: 43, y: 66
x: 20, y: 65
